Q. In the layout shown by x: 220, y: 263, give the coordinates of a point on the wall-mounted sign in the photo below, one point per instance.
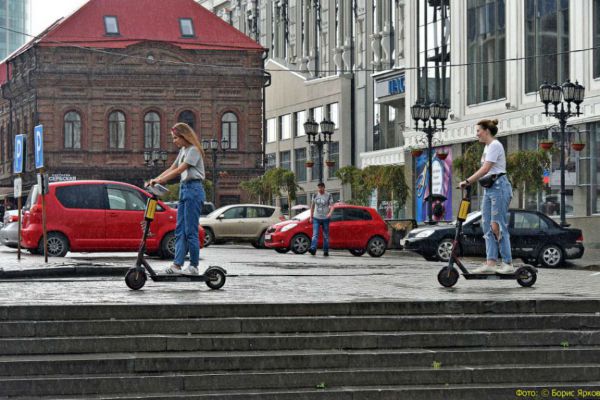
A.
x: 391, y: 86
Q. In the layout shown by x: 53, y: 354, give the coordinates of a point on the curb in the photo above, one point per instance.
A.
x: 63, y: 272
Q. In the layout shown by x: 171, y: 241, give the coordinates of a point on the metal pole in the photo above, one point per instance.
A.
x: 429, y: 131
x: 214, y: 154
x: 320, y: 147
x: 563, y: 192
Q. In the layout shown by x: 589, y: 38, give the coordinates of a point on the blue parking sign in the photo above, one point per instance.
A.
x: 38, y: 133
x: 19, y: 153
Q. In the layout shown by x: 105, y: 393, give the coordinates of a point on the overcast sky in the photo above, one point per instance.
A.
x: 45, y: 12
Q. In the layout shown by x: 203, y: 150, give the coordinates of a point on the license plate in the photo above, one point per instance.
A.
x: 267, y: 237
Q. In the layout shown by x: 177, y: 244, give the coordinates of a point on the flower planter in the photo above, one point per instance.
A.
x: 309, y: 164
x: 442, y: 156
x: 546, y: 145
x: 578, y: 146
x: 330, y: 163
x: 416, y: 153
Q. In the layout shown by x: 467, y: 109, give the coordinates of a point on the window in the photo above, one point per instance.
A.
x: 547, y: 34
x: 259, y: 212
x: 333, y: 155
x: 111, y: 25
x: 333, y: 114
x: 356, y: 214
x: 152, y: 130
x: 271, y: 130
x: 317, y: 114
x: 235, y: 212
x: 285, y: 128
x: 486, y: 45
x: 529, y: 221
x: 337, y: 214
x: 596, y: 38
x: 300, y: 118
x: 300, y: 167
x: 72, y: 130
x: 188, y: 117
x: 116, y: 130
x: 125, y: 199
x: 81, y: 196
x: 318, y: 167
x: 270, y: 161
x: 186, y: 27
x: 284, y: 160
x: 229, y: 129
x: 594, y: 142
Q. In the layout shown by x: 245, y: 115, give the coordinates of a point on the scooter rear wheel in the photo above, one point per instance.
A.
x: 447, y: 277
x: 216, y: 278
x: 135, y: 279
x: 526, y: 276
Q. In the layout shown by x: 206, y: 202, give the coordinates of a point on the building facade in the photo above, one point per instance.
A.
x: 108, y: 103
x: 15, y: 19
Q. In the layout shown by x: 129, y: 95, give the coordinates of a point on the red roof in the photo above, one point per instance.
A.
x: 139, y: 21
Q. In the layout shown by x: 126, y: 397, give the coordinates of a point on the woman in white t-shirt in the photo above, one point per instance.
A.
x: 496, y: 200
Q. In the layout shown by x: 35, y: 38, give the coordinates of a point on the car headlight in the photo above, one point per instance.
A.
x: 425, y: 233
x: 288, y: 227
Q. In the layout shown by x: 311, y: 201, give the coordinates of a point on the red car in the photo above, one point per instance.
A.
x: 356, y: 228
x: 96, y: 216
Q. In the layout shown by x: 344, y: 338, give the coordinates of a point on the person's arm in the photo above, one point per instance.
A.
x: 312, y: 209
x: 169, y: 173
x: 330, y: 206
x: 485, y: 168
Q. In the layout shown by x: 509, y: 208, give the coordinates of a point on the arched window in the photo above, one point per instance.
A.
x: 116, y: 130
x: 152, y: 130
x: 188, y: 117
x: 72, y: 130
x: 229, y: 129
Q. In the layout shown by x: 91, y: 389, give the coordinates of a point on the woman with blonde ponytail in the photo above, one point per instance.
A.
x: 189, y: 166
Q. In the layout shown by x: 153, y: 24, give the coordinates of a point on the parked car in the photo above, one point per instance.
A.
x: 207, y: 207
x: 358, y: 229
x: 96, y: 216
x: 534, y: 237
x: 9, y: 234
x: 240, y: 222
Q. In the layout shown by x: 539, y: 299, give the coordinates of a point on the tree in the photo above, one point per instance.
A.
x: 387, y: 179
x: 525, y: 169
x: 256, y: 189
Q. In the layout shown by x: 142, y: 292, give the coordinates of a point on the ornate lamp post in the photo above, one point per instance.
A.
x: 153, y: 157
x: 430, y: 115
x: 559, y: 95
x: 317, y: 139
x: 213, y: 146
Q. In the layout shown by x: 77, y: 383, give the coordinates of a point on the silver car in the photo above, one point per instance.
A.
x: 9, y: 234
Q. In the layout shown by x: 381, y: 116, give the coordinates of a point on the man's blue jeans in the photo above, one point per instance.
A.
x: 191, y: 198
x: 496, y: 200
x: 315, y: 237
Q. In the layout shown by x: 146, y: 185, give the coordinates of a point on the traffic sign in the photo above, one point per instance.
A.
x: 38, y: 133
x: 19, y: 153
x: 18, y: 186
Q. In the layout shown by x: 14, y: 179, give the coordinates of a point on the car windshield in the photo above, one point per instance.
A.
x: 31, y: 198
x: 217, y: 211
x: 302, y: 216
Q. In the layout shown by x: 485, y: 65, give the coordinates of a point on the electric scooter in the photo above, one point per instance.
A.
x: 448, y: 276
x: 135, y: 278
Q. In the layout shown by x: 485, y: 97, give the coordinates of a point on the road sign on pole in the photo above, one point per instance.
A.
x: 38, y: 133
x: 18, y: 186
x: 19, y: 154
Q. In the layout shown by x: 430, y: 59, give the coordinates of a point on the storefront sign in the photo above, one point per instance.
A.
x: 390, y: 87
x: 61, y: 178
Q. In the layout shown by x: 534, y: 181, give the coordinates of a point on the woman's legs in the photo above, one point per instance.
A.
x: 491, y: 244
x: 181, y: 248
x: 194, y: 199
x: 500, y: 220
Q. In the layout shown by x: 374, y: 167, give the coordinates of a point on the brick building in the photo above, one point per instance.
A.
x: 108, y: 81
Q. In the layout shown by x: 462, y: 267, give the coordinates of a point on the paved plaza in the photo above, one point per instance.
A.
x: 262, y: 276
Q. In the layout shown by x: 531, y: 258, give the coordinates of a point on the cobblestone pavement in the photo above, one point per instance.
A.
x: 259, y: 276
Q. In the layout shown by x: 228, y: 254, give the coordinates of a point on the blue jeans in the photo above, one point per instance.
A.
x: 191, y: 198
x: 315, y: 237
x: 496, y: 200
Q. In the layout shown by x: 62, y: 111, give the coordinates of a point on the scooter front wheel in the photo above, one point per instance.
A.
x: 216, y: 278
x: 447, y: 277
x: 135, y: 279
x: 526, y: 276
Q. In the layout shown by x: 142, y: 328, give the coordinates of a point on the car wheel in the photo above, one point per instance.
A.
x: 444, y: 250
x: 358, y: 252
x: 58, y: 245
x: 167, y: 246
x: 282, y: 250
x: 551, y: 256
x: 300, y: 244
x: 209, y: 237
x: 376, y: 246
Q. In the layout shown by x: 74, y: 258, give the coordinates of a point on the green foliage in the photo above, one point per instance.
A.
x: 525, y: 169
x: 466, y: 165
x: 387, y: 179
x: 264, y: 189
x: 256, y: 189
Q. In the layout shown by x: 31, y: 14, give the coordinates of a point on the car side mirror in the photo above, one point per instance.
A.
x: 220, y: 216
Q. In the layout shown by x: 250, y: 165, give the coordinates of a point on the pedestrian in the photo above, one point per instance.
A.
x: 496, y: 199
x: 320, y: 213
x: 189, y: 166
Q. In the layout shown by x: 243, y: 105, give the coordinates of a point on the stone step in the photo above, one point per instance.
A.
x: 330, y: 378
x: 178, y: 362
x: 141, y: 311
x: 338, y: 340
x: 110, y: 327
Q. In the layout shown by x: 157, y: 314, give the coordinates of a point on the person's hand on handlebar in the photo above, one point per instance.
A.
x: 154, y: 181
x: 464, y: 184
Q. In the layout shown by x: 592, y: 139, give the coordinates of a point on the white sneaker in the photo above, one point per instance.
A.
x: 173, y: 270
x: 506, y: 269
x: 190, y: 270
x: 484, y: 269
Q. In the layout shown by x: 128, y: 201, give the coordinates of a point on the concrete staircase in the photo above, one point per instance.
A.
x: 372, y: 350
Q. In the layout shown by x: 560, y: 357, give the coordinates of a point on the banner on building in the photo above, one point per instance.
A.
x: 441, y: 184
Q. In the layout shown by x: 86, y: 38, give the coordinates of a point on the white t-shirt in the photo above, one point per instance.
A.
x: 494, y: 153
x: 191, y: 156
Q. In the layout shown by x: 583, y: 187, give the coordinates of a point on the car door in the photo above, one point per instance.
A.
x: 84, y: 216
x: 124, y: 217
x: 256, y: 221
x: 528, y: 233
x: 231, y: 222
x: 356, y: 230
x: 472, y: 240
x: 336, y: 228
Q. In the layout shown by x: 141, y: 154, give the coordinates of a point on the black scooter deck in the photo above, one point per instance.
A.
x: 178, y: 278
x: 490, y: 276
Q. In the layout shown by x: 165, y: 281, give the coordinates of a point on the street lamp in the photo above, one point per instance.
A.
x: 429, y: 115
x: 319, y: 139
x: 559, y: 95
x: 154, y: 158
x: 213, y: 146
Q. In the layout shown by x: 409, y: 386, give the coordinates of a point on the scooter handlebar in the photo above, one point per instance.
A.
x: 157, y: 189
